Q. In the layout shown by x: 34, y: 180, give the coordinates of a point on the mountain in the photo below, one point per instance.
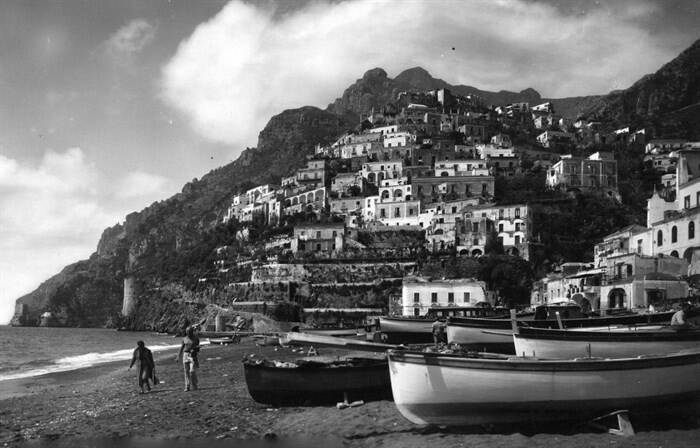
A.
x: 376, y: 89
x: 668, y: 100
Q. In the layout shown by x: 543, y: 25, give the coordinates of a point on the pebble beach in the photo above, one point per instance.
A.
x: 101, y: 405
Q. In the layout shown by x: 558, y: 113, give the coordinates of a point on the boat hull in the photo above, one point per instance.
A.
x: 490, y: 331
x: 398, y: 330
x: 618, y: 343
x: 451, y: 390
x: 318, y: 383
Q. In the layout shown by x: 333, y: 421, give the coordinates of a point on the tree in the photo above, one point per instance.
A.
x: 509, y: 276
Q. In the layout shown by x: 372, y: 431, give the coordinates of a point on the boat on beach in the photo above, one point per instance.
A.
x: 607, y: 342
x: 317, y: 380
x: 479, y: 332
x: 474, y: 389
x: 419, y: 329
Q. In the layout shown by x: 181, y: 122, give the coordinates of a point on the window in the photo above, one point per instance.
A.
x: 517, y: 212
x: 335, y: 234
x: 410, y: 212
x: 475, y: 242
x: 691, y: 230
x: 433, y: 297
x: 500, y: 227
x: 318, y: 234
x: 517, y: 239
x: 416, y: 297
x: 639, y: 246
x: 674, y: 234
x: 318, y: 247
x: 382, y: 213
x: 686, y: 201
x: 517, y: 226
x: 397, y: 212
x: 454, y: 209
x: 450, y: 297
x: 475, y: 227
x: 659, y: 238
x: 500, y: 214
x: 466, y: 297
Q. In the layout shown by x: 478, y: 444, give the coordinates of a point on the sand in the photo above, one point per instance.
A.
x: 101, y: 406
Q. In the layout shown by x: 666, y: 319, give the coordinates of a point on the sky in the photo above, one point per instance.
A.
x: 108, y: 106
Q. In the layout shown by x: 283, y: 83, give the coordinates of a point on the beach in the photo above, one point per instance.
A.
x: 101, y: 404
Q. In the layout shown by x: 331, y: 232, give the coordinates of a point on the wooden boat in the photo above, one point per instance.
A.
x: 341, y: 332
x: 312, y: 340
x: 611, y: 343
x: 477, y: 332
x: 225, y: 340
x: 419, y: 329
x: 459, y: 390
x: 317, y: 381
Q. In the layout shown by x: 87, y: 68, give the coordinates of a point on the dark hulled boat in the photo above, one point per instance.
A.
x: 317, y: 381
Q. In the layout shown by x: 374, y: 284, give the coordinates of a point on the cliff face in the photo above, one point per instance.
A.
x: 168, y: 241
x: 662, y: 100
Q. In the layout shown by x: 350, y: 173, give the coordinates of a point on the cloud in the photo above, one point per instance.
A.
x: 246, y: 64
x: 129, y: 40
x: 139, y: 184
x: 53, y: 214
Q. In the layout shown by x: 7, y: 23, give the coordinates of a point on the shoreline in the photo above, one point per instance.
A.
x: 102, y: 403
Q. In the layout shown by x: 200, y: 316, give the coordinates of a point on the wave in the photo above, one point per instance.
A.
x: 81, y: 361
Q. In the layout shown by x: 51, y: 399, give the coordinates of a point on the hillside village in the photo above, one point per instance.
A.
x: 420, y: 177
x: 410, y: 193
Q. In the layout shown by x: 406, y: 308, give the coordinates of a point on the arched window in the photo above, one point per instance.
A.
x: 674, y: 254
x: 659, y: 238
x: 691, y: 230
x: 674, y: 234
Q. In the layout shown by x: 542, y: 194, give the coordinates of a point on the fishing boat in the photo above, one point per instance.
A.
x: 607, y: 342
x: 485, y: 333
x: 459, y: 390
x: 341, y: 332
x: 419, y: 329
x: 317, y: 380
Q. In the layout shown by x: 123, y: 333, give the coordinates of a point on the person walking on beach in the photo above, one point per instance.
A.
x: 143, y: 358
x: 190, y: 362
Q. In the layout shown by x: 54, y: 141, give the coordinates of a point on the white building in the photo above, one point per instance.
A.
x: 375, y: 172
x: 475, y: 167
x: 418, y: 294
x: 398, y: 139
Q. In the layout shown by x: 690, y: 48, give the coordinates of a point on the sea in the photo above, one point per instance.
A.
x: 34, y: 351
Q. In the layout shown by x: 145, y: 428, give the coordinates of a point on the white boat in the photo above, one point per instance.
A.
x: 419, y: 329
x: 456, y: 390
x: 617, y: 342
x: 476, y: 331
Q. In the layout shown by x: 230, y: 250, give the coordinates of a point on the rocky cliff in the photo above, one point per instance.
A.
x: 166, y: 245
x: 668, y: 100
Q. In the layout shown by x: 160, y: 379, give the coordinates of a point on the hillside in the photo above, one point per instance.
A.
x: 667, y: 100
x: 168, y: 245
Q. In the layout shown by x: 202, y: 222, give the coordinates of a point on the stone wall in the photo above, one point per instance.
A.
x: 332, y: 272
